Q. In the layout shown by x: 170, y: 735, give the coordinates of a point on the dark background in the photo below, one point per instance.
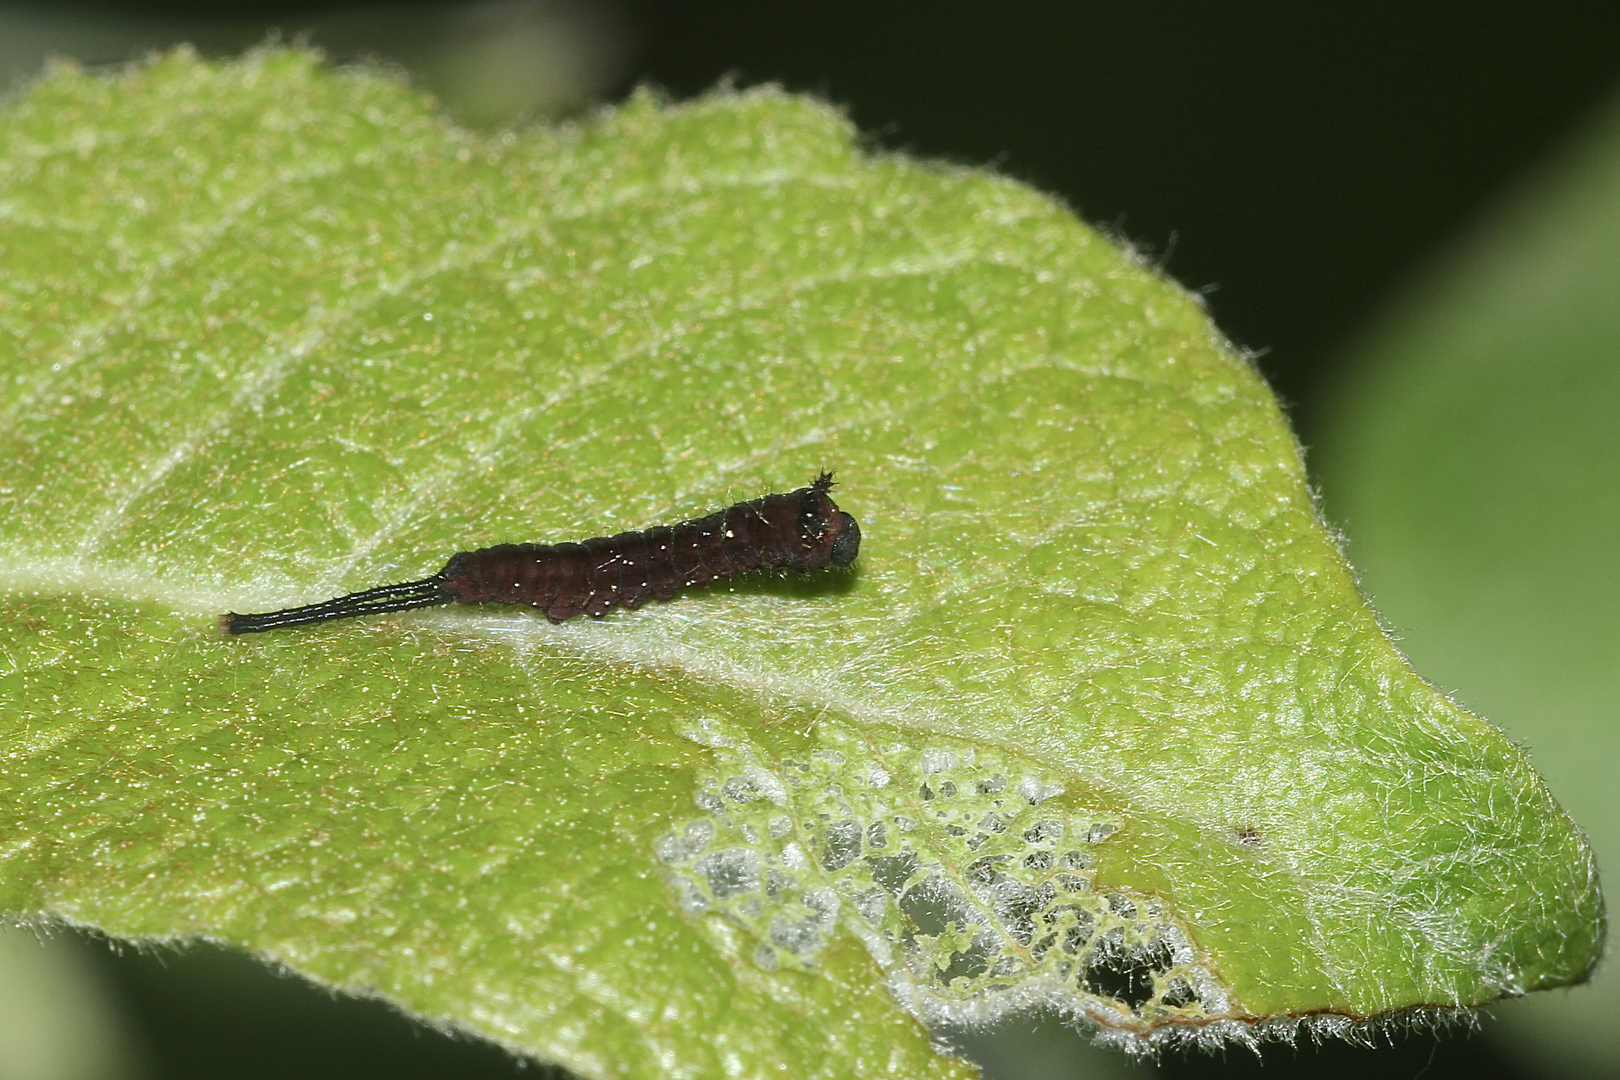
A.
x: 1297, y: 162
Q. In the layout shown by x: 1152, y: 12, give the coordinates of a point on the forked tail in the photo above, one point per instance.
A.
x: 429, y: 592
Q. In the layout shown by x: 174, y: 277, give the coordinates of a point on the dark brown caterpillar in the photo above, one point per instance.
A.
x: 801, y: 530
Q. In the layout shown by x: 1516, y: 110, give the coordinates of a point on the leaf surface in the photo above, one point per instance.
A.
x: 1097, y: 721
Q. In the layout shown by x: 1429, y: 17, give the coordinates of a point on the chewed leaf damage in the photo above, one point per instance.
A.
x: 969, y: 877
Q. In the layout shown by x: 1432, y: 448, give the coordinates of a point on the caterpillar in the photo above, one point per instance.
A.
x: 800, y: 530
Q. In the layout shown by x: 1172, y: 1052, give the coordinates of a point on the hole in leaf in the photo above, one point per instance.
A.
x: 932, y: 905
x: 1127, y: 976
x: 1017, y: 905
x: 893, y: 871
x: 729, y: 872
x: 1179, y: 995
x: 843, y: 845
x: 972, y: 961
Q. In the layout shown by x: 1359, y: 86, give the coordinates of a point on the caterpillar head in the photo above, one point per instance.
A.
x: 846, y: 540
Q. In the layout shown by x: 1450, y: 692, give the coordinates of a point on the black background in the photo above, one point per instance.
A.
x: 1296, y: 161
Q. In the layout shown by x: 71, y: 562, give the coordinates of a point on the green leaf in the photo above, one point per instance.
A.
x: 1098, y: 721
x: 1475, y: 456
